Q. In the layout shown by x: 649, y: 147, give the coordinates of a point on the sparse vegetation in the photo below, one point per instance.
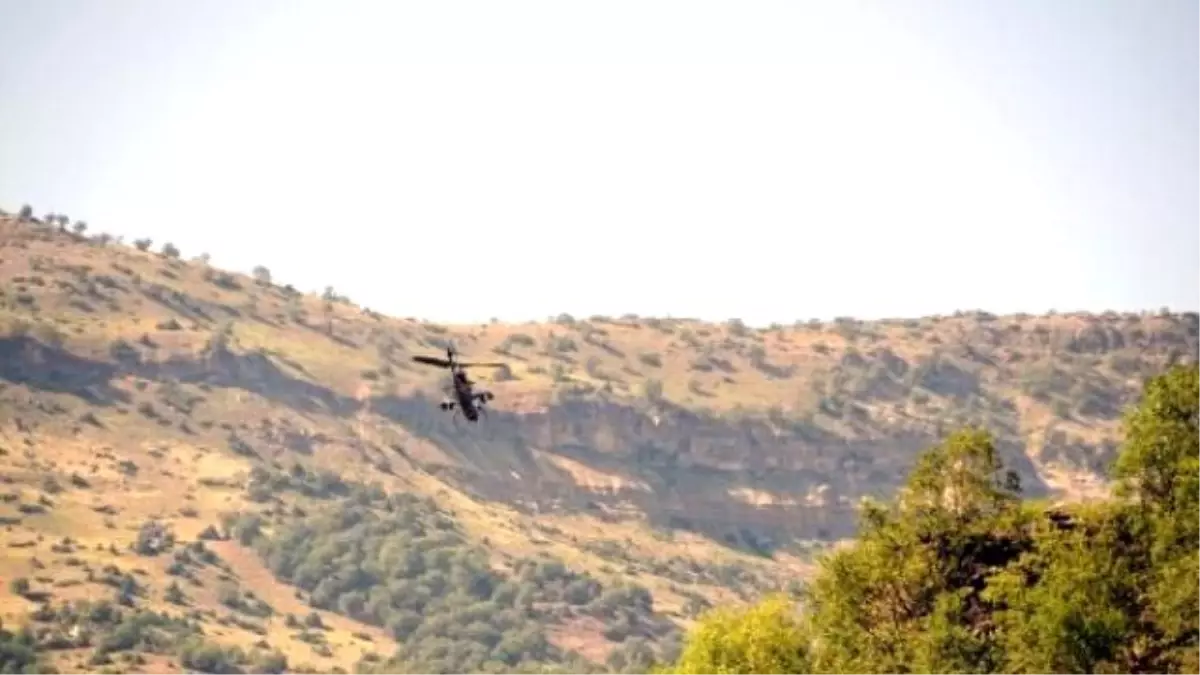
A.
x: 407, y: 567
x: 246, y: 471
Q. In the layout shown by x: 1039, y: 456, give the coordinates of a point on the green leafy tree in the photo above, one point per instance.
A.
x: 907, y: 596
x: 767, y: 637
x: 1159, y: 466
x: 1080, y: 615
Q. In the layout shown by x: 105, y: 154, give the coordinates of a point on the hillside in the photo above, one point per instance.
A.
x: 958, y: 574
x: 213, y: 461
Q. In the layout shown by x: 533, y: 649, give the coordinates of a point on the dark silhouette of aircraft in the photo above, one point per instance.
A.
x: 463, y: 396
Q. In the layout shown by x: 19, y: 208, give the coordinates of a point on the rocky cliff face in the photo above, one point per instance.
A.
x: 747, y: 482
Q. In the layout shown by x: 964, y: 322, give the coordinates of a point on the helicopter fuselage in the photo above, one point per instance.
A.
x: 466, y: 399
x: 466, y: 396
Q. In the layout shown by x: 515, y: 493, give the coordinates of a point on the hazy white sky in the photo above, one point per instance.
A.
x: 762, y: 160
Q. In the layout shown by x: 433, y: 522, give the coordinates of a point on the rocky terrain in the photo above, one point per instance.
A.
x: 208, y: 470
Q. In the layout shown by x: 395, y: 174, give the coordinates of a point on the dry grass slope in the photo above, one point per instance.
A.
x: 138, y: 387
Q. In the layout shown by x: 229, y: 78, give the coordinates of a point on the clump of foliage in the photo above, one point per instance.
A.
x: 18, y: 652
x: 397, y: 562
x: 111, y: 630
x: 956, y: 574
x: 765, y: 638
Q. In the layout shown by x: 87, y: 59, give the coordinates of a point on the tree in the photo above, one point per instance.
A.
x: 327, y: 300
x: 169, y: 250
x: 26, y: 213
x: 174, y: 594
x: 1159, y: 465
x: 1159, y: 468
x: 1069, y: 604
x: 955, y: 574
x: 262, y: 275
x: 962, y: 480
x: 19, y: 586
x: 80, y: 227
x: 765, y: 638
x: 907, y: 597
x: 142, y: 244
x: 652, y: 389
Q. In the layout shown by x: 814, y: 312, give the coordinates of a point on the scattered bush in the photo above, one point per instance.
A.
x: 651, y: 359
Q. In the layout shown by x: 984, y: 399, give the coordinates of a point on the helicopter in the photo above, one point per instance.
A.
x: 464, y: 397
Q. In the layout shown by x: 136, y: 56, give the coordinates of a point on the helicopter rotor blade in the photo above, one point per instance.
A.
x: 432, y: 361
x: 481, y: 365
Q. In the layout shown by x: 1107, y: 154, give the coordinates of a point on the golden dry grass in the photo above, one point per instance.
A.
x: 89, y: 297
